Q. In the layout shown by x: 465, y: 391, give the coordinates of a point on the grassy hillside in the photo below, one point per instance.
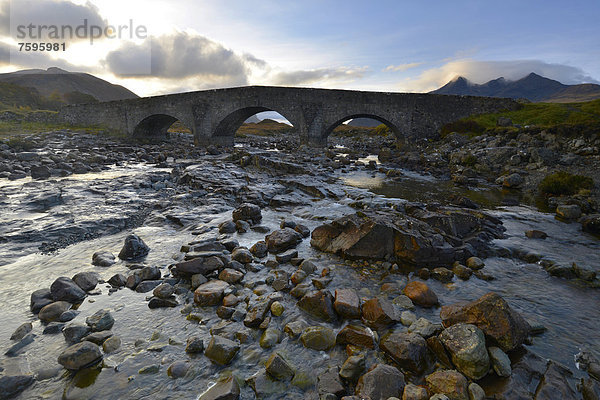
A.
x: 542, y: 115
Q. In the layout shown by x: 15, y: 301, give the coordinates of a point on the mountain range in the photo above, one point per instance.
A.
x: 533, y: 87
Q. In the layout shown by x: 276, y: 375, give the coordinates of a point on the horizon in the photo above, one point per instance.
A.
x: 384, y: 47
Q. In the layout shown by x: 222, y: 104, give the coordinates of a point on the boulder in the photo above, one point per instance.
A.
x: 353, y: 367
x: 347, y: 303
x: 319, y: 304
x: 259, y: 249
x: 380, y: 383
x: 329, y: 383
x: 466, y: 345
x: 568, y: 211
x: 475, y: 263
x: 408, y: 350
x: 210, y: 293
x: 242, y: 255
x: 101, y: 320
x: 318, y: 338
x: 12, y: 385
x: 80, y: 355
x: 420, y: 294
x: 278, y: 368
x: 231, y: 275
x: 356, y: 335
x: 221, y: 350
x: 194, y: 345
x: 513, y: 181
x: 64, y: 289
x: 282, y: 239
x: 492, y: 314
x: 225, y: 389
x: 199, y: 265
x: 53, y: 311
x: 163, y: 291
x: 414, y: 392
x: 378, y: 313
x: 247, y: 212
x: 258, y: 312
x: 74, y: 332
x: 133, y: 248
x: 21, y: 331
x: 117, y: 280
x: 39, y: 299
x: 450, y: 383
x: 500, y: 362
x: 591, y: 223
x: 103, y: 258
x: 86, y: 280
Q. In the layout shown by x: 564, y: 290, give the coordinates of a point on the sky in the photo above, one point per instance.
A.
x: 391, y: 46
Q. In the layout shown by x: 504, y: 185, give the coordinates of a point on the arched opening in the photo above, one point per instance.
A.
x: 253, y: 121
x: 161, y: 126
x: 362, y: 124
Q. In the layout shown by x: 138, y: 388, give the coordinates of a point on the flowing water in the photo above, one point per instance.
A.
x: 105, y: 199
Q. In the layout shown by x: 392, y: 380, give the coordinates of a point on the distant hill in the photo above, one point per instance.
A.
x: 533, y: 87
x: 63, y: 86
x: 364, y: 122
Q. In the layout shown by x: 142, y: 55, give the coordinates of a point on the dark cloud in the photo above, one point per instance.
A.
x: 46, y: 12
x: 316, y: 75
x: 181, y: 56
x: 37, y: 59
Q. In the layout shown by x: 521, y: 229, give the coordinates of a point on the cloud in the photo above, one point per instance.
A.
x: 182, y: 56
x: 483, y: 71
x: 46, y: 12
x: 10, y: 56
x: 305, y: 77
x: 402, y: 67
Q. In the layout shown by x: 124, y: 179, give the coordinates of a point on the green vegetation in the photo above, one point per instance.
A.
x: 542, y: 115
x: 563, y: 183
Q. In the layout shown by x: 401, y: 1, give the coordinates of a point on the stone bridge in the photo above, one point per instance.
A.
x: 214, y: 115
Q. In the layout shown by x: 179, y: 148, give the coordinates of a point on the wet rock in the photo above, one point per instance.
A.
x: 163, y: 291
x: 295, y: 328
x: 227, y: 227
x: 381, y: 382
x: 378, y: 313
x: 269, y: 338
x: 347, y: 303
x: 12, y: 385
x: 147, y: 286
x: 101, y: 320
x: 281, y: 240
x: 259, y: 249
x: 513, y: 181
x: 319, y: 304
x: 408, y: 350
x: 466, y: 345
x: 462, y: 272
x: 97, y: 337
x: 117, y: 280
x: 329, y: 383
x: 242, y: 226
x: 210, y: 293
x: 194, y: 345
x: 297, y: 277
x: 424, y: 327
x: 500, y: 362
x: 111, y: 344
x: 278, y: 368
x: 16, y: 348
x: 591, y: 223
x: 420, y: 294
x: 475, y: 392
x: 53, y: 328
x: 442, y: 274
x: 568, y: 211
x: 199, y: 265
x: 178, y: 369
x: 39, y: 299
x: 103, y: 259
x: 308, y: 267
x: 414, y: 392
x: 149, y: 369
x: 86, y: 280
x: 231, y: 276
x: 80, y: 355
x: 450, y: 383
x: 258, y: 312
x: 404, y: 302
x: 555, y: 384
x: 247, y: 212
x: 224, y: 389
x: 264, y: 386
x: 356, y: 335
x: 242, y: 255
x: 277, y: 309
x: 318, y: 338
x: 535, y: 234
x: 53, y: 311
x: 221, y: 350
x: 21, y: 331
x: 74, y: 332
x: 303, y: 230
x: 490, y: 313
x: 64, y: 289
x: 133, y: 248
x: 353, y: 367
x: 475, y: 263
x: 301, y: 290
x: 156, y: 302
x: 286, y: 256
x: 407, y: 318
x: 321, y: 283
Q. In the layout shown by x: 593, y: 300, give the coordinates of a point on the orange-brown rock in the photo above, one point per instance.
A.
x: 492, y: 314
x: 421, y: 294
x: 378, y: 313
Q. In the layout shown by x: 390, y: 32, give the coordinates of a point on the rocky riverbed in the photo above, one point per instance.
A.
x: 276, y: 271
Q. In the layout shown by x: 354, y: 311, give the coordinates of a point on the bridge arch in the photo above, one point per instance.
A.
x: 331, y: 126
x: 156, y: 125
x: 229, y: 124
